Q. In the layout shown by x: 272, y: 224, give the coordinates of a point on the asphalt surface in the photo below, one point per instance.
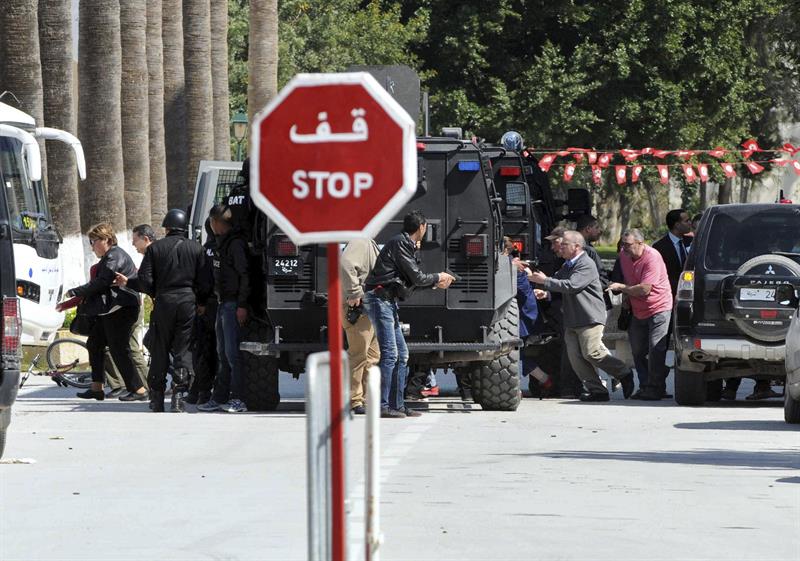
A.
x: 554, y: 480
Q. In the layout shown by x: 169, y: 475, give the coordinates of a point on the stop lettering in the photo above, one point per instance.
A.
x: 337, y: 184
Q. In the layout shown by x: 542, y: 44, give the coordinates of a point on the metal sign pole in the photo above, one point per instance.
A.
x: 335, y: 345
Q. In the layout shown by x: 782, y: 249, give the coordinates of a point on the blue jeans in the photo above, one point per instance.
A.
x: 648, y: 338
x: 394, y: 352
x: 229, y: 383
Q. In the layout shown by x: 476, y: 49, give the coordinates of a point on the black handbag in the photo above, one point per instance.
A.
x: 82, y: 323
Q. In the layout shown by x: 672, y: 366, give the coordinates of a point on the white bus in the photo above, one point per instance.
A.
x: 37, y: 243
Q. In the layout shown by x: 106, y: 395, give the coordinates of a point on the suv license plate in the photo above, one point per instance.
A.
x: 757, y: 294
x: 286, y: 266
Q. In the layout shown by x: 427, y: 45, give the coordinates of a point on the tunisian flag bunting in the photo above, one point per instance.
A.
x: 702, y: 170
x: 754, y: 167
x: 620, y: 173
x: 546, y: 161
x: 796, y: 167
x: 592, y: 155
x: 603, y: 160
x: 578, y: 156
x: 791, y: 149
x: 717, y: 152
x: 661, y: 154
x: 688, y: 171
x: 751, y: 145
x: 629, y: 154
x: 728, y: 169
x: 597, y: 175
x: 663, y: 174
x: 685, y: 154
x: 635, y: 173
x: 569, y: 171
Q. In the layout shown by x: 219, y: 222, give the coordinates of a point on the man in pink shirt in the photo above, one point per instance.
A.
x: 648, y: 289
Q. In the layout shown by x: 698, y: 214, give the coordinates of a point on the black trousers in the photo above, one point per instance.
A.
x: 172, y: 319
x: 114, y: 331
x: 204, y: 350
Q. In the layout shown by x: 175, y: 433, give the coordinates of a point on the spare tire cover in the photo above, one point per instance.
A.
x: 767, y: 330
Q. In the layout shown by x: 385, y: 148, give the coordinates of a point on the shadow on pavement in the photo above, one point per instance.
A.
x: 775, y: 459
x: 739, y: 425
x: 788, y: 480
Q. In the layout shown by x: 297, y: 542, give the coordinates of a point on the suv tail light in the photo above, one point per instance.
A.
x: 475, y: 245
x: 510, y: 171
x: 686, y: 287
x: 282, y: 246
x: 12, y: 326
x: 520, y: 243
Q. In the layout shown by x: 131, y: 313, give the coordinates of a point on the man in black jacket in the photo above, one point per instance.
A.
x: 232, y: 285
x: 171, y: 273
x: 395, y: 277
x: 674, y: 247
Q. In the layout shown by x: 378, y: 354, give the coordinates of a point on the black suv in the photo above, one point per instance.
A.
x: 736, y: 297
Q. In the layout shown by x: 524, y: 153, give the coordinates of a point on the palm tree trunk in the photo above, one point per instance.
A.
x: 155, y: 74
x: 174, y: 102
x: 134, y: 111
x: 219, y: 77
x: 102, y: 195
x: 21, y: 66
x: 55, y: 42
x: 199, y: 100
x: 263, y: 55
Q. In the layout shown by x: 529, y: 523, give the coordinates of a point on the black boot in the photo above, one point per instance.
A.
x: 157, y: 401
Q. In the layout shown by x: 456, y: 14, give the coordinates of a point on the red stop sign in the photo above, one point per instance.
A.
x: 333, y: 158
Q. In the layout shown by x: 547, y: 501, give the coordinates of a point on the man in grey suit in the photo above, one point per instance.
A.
x: 584, y: 318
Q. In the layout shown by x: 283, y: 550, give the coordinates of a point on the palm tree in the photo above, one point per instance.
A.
x: 55, y: 43
x: 102, y: 194
x: 155, y: 75
x: 21, y: 66
x: 199, y: 101
x: 263, y: 55
x: 219, y: 77
x: 134, y: 111
x: 174, y: 102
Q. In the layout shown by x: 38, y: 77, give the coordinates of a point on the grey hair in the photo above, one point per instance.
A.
x: 635, y: 232
x: 573, y: 236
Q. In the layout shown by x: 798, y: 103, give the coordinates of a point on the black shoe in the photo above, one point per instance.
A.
x: 156, y: 401
x: 415, y: 397
x: 92, y: 394
x: 111, y: 394
x: 192, y: 398
x: 411, y: 412
x: 591, y: 397
x: 176, y: 401
x: 203, y: 397
x: 133, y: 396
x: 627, y: 386
x: 666, y: 395
x: 392, y: 414
x: 637, y: 395
x: 359, y: 410
x: 569, y: 395
x: 466, y: 394
x: 650, y: 395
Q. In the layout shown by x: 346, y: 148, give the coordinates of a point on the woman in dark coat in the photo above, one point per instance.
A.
x: 115, y: 311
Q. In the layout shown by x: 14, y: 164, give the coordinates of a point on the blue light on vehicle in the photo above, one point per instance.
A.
x: 469, y: 165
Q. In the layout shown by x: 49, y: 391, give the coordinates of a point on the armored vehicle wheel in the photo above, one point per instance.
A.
x: 495, y: 384
x: 791, y: 409
x: 5, y: 420
x: 690, y: 387
x: 260, y: 372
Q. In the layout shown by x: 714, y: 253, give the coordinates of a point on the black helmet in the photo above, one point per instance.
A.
x: 176, y: 219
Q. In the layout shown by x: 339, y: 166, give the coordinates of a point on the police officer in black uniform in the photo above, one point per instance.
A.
x: 172, y: 273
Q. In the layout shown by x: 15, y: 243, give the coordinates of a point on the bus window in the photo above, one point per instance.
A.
x: 26, y: 203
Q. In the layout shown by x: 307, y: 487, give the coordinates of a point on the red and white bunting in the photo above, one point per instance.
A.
x: 717, y: 152
x: 685, y: 154
x: 592, y: 156
x: 688, y: 171
x: 796, y: 166
x: 792, y: 150
x: 663, y: 174
x: 578, y: 157
x: 781, y: 163
x: 563, y: 153
x: 635, y: 173
x: 546, y: 161
x: 629, y: 154
x: 751, y: 145
x: 647, y: 151
x: 597, y: 175
x: 661, y: 154
x: 754, y: 167
x: 620, y: 174
x: 604, y: 160
x: 702, y: 170
x: 569, y: 171
x: 728, y: 169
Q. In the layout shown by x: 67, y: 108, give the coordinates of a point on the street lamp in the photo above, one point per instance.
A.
x: 239, y: 132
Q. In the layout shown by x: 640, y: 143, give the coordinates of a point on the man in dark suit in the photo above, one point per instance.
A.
x: 674, y: 247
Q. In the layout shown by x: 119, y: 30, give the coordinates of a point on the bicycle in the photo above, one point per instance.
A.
x: 68, y: 364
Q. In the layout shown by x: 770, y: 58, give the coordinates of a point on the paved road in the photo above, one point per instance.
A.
x: 555, y: 480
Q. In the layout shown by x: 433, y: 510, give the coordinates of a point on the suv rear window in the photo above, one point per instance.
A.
x: 734, y: 240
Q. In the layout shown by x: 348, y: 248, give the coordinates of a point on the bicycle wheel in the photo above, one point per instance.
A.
x: 68, y: 360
